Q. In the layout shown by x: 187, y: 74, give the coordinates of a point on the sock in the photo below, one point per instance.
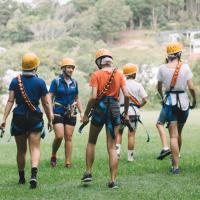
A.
x: 21, y: 174
x: 165, y: 148
x: 118, y: 148
x: 34, y: 171
x: 130, y: 155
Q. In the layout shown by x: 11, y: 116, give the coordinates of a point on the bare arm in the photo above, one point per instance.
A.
x: 8, y: 108
x: 79, y: 106
x: 91, y: 101
x: 126, y: 99
x: 144, y: 101
x: 192, y: 92
x: 47, y: 105
x: 159, y: 89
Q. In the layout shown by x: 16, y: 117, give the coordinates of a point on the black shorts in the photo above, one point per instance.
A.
x: 64, y: 120
x: 23, y: 124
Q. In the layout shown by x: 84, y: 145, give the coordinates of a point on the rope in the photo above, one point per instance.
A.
x: 24, y: 95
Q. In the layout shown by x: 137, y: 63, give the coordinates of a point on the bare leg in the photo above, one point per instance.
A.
x: 68, y: 144
x: 173, y: 131
x: 163, y: 136
x: 90, y: 150
x: 34, y: 146
x: 113, y: 161
x: 131, y: 140
x: 118, y: 143
x: 180, y: 128
x: 21, y: 142
x: 59, y: 134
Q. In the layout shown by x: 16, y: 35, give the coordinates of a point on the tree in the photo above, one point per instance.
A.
x: 83, y: 5
x: 113, y: 17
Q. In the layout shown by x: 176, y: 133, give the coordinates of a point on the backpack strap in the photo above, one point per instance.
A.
x: 24, y: 95
x: 107, y: 85
x: 134, y: 100
x: 175, y: 75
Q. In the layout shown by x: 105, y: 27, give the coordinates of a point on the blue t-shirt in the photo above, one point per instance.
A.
x: 34, y: 87
x: 64, y: 94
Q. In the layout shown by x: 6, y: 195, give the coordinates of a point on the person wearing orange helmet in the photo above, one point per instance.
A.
x: 64, y: 93
x: 105, y: 85
x: 176, y: 77
x: 26, y: 90
x: 137, y: 99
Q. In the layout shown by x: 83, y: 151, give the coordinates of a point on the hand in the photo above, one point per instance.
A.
x: 193, y: 104
x: 50, y: 126
x: 126, y: 118
x: 85, y: 119
x: 81, y: 117
x: 3, y: 125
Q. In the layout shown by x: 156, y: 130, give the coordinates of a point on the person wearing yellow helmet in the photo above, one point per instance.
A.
x: 137, y: 99
x: 105, y: 85
x: 176, y: 77
x: 64, y: 93
x: 27, y: 123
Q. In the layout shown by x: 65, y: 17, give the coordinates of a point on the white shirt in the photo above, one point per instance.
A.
x: 165, y: 75
x: 136, y: 90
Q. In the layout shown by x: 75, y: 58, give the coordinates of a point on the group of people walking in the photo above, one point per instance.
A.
x: 114, y: 102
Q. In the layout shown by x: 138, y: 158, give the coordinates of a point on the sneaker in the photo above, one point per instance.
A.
x: 53, y: 161
x: 130, y: 156
x: 113, y: 185
x: 175, y: 171
x: 87, y: 177
x: 22, y: 181
x: 33, y: 183
x: 131, y: 159
x: 164, y: 153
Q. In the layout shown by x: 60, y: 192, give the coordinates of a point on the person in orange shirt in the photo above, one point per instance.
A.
x: 105, y: 84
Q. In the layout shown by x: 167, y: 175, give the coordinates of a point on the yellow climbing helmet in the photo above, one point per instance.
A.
x: 67, y: 62
x: 129, y: 69
x: 30, y: 61
x: 174, y: 47
x: 103, y: 53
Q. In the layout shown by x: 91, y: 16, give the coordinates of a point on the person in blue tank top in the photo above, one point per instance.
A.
x: 27, y: 122
x: 64, y: 93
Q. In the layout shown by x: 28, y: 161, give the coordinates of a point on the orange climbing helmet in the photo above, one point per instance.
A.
x: 30, y: 61
x: 103, y: 53
x: 129, y: 69
x: 67, y: 62
x: 174, y: 47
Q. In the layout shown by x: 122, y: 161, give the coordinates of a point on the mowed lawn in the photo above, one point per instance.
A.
x: 145, y: 178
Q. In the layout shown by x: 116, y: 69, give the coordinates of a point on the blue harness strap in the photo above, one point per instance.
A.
x: 105, y: 113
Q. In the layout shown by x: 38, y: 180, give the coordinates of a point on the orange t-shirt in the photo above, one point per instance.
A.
x: 100, y: 78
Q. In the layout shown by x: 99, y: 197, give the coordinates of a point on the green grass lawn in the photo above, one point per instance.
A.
x: 145, y: 178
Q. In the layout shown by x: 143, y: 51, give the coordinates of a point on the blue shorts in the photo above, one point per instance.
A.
x: 172, y: 114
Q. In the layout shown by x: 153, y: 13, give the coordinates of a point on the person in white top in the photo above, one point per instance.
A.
x: 137, y: 99
x: 175, y: 76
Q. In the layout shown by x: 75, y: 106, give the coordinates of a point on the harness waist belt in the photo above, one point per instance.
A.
x: 175, y: 92
x: 131, y: 104
x: 59, y: 104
